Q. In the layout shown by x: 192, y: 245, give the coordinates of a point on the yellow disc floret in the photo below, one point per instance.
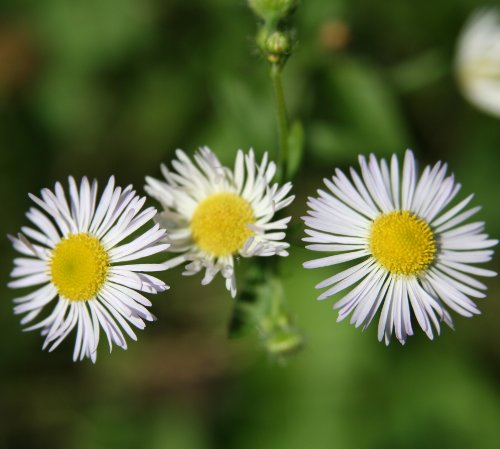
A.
x: 402, y: 242
x: 220, y: 224
x: 79, y: 266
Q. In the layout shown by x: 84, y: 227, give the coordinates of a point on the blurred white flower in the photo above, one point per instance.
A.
x: 413, y: 250
x: 213, y: 214
x: 78, y: 256
x: 477, y: 62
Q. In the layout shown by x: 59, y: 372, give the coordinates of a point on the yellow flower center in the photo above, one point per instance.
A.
x: 402, y: 242
x: 220, y: 224
x: 79, y: 267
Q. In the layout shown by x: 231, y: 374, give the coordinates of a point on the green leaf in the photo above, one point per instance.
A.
x: 295, y: 148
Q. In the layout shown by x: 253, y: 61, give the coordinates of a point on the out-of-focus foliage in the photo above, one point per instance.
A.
x: 103, y: 87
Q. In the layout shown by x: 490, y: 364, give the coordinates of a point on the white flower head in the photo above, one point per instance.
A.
x: 477, y: 62
x: 214, y: 214
x: 78, y: 258
x: 413, y: 250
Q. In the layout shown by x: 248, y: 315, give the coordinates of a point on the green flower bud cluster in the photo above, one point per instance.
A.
x: 273, y: 321
x: 274, y: 37
x: 262, y: 306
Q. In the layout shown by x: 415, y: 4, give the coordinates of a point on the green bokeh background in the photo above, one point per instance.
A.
x: 102, y: 87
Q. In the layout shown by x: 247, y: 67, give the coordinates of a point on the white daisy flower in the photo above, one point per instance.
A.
x: 77, y: 259
x: 477, y: 62
x: 412, y: 249
x: 214, y: 214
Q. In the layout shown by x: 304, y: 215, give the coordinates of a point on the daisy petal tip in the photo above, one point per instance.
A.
x: 323, y: 296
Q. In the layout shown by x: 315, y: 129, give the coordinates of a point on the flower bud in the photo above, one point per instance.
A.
x: 272, y: 10
x: 284, y: 342
x: 277, y: 47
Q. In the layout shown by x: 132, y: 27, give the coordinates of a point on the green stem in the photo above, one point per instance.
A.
x: 282, y: 119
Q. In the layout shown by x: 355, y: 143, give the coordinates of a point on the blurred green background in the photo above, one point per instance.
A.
x: 103, y: 87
